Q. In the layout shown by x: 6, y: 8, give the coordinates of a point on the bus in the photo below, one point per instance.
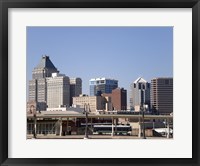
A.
x: 95, y: 124
x: 107, y: 129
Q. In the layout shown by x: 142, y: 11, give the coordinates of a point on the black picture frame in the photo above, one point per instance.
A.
x: 4, y: 68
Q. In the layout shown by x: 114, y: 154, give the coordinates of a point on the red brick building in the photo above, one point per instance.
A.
x: 118, y: 98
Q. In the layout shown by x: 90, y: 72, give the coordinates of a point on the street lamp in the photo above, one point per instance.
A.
x: 86, y: 112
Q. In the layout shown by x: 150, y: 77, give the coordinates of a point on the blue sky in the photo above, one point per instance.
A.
x: 122, y: 53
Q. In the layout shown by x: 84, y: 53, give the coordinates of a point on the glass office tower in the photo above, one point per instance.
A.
x: 102, y: 85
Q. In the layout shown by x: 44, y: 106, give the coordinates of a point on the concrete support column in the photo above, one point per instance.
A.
x: 67, y: 126
x: 86, y: 125
x: 116, y: 125
x: 91, y: 123
x: 168, y: 129
x: 153, y: 124
x: 75, y: 121
x: 112, y: 127
x: 139, y: 127
x: 35, y: 127
x: 60, y: 126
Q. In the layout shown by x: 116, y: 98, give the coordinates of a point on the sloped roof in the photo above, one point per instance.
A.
x: 45, y: 62
x: 140, y: 79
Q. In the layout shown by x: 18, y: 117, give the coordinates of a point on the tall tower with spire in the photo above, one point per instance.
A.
x: 38, y: 84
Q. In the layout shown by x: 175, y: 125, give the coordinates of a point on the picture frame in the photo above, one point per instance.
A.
x: 4, y: 73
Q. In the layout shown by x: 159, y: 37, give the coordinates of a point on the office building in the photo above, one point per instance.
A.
x: 75, y: 88
x: 44, y: 69
x: 33, y: 90
x: 58, y: 91
x: 118, y: 99
x: 102, y: 85
x: 139, y: 94
x: 162, y: 95
x: 95, y: 102
x: 38, y: 86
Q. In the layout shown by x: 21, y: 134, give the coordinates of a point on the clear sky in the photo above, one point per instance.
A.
x: 122, y: 53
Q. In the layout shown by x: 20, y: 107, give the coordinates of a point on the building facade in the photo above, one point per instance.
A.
x: 75, y: 88
x: 139, y: 94
x: 33, y: 90
x: 38, y: 85
x: 95, y: 102
x: 44, y: 69
x: 162, y: 95
x: 102, y: 85
x: 58, y: 91
x: 118, y: 99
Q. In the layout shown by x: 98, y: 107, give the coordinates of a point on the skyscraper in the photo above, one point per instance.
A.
x: 75, y: 88
x: 140, y: 94
x: 162, y: 95
x: 58, y: 91
x: 103, y: 85
x: 38, y: 86
x: 44, y: 69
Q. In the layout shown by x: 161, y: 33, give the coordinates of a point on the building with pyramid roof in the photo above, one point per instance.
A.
x: 38, y: 84
x: 50, y: 89
x: 44, y: 69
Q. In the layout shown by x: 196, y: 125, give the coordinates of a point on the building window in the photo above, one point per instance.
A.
x: 166, y: 82
x: 139, y: 85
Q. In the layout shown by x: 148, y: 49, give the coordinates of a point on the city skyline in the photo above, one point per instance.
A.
x: 121, y: 53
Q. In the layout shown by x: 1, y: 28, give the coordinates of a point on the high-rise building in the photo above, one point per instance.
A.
x: 41, y: 90
x: 58, y: 91
x: 102, y: 85
x: 162, y: 95
x: 33, y: 90
x: 140, y: 94
x: 38, y: 86
x: 75, y: 88
x: 118, y: 99
x: 44, y: 69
